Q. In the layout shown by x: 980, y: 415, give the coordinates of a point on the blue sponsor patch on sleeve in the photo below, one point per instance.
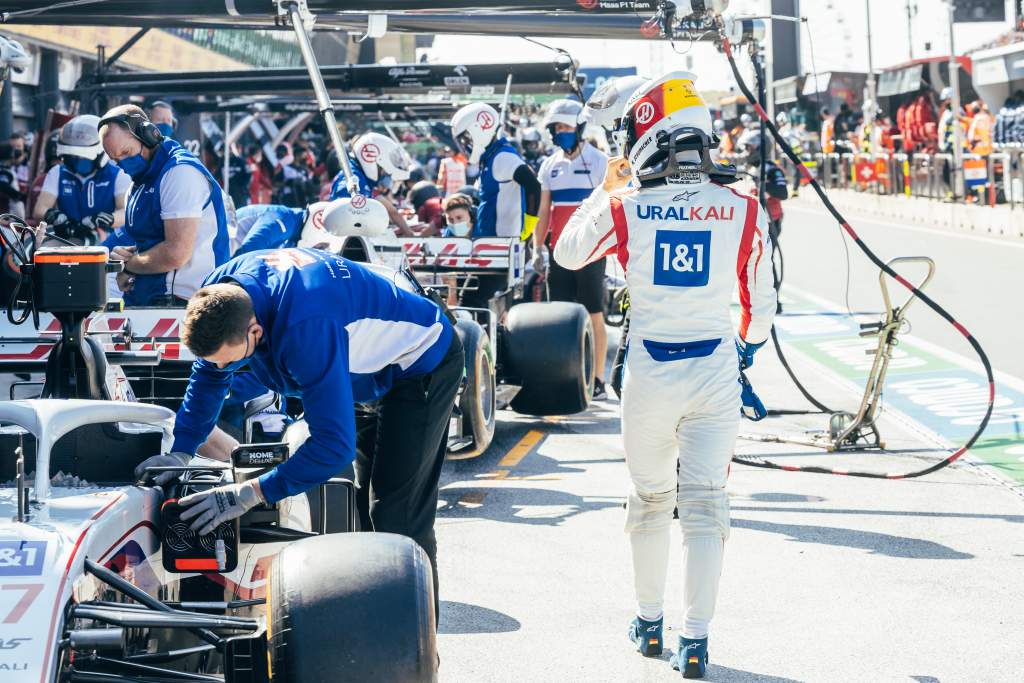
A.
x: 22, y: 558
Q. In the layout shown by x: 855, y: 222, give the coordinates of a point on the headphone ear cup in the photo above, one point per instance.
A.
x: 149, y: 134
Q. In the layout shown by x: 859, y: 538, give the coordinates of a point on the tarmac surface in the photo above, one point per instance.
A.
x: 827, y: 578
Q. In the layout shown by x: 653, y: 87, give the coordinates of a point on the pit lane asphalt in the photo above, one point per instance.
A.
x: 826, y: 578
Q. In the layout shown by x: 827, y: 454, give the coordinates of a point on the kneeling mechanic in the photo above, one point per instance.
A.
x: 331, y: 332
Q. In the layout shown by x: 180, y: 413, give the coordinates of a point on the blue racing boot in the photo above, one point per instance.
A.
x: 691, y: 657
x: 647, y: 636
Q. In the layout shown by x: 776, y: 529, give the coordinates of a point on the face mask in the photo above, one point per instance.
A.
x: 460, y: 229
x: 241, y: 362
x: 134, y: 165
x: 165, y: 128
x: 78, y: 165
x: 567, y: 141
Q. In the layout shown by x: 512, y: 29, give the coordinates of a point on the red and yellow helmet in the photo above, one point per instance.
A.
x: 657, y: 112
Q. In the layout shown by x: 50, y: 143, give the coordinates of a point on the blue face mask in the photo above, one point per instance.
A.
x: 165, y: 128
x: 567, y: 141
x: 236, y: 365
x: 82, y: 167
x: 134, y: 165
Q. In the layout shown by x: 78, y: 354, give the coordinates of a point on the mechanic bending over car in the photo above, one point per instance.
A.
x: 331, y: 332
x: 686, y: 242
x: 509, y: 191
x: 377, y: 162
x: 175, y: 228
x: 567, y: 177
x: 83, y: 197
x: 269, y: 226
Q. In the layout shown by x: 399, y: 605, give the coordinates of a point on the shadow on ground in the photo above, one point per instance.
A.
x: 460, y: 618
x: 518, y: 505
x: 874, y: 542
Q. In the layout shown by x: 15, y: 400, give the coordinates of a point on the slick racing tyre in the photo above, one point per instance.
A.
x: 352, y: 607
x: 477, y: 400
x: 550, y: 350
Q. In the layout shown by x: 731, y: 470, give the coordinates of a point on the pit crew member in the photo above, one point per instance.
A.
x: 686, y: 243
x: 175, y: 228
x: 331, y: 332
x: 83, y: 197
x: 378, y: 161
x: 509, y: 190
x: 533, y: 148
x: 567, y: 177
x: 269, y: 226
x: 162, y: 115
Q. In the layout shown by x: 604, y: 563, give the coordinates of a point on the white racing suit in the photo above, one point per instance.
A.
x: 685, y: 249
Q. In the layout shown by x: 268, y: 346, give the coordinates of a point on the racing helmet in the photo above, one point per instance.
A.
x: 422, y: 192
x: 378, y: 154
x: 356, y: 216
x: 608, y: 103
x: 474, y: 127
x: 782, y: 119
x: 79, y: 144
x: 315, y: 216
x: 746, y: 119
x: 531, y: 135
x: 12, y: 57
x: 666, y: 122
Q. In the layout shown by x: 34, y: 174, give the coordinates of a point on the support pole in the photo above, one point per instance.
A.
x: 872, y: 91
x: 128, y: 44
x: 756, y: 52
x: 226, y: 170
x: 323, y: 100
x: 954, y: 82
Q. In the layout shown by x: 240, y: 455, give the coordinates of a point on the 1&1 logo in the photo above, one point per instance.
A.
x: 370, y: 153
x: 485, y: 119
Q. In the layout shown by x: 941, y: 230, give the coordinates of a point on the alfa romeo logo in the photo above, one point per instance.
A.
x: 644, y: 113
x: 358, y: 202
x: 485, y: 120
x: 370, y: 153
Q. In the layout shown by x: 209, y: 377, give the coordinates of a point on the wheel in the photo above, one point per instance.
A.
x: 549, y: 349
x: 477, y: 400
x: 354, y: 607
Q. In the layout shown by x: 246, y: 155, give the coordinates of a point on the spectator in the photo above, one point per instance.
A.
x: 19, y: 160
x: 260, y: 176
x: 451, y: 174
x: 979, y: 135
x: 12, y: 199
x: 289, y: 178
x: 162, y: 116
x: 459, y: 215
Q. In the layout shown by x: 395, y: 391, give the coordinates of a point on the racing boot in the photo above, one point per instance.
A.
x: 691, y: 657
x: 646, y: 635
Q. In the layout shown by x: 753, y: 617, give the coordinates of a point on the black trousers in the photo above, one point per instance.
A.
x: 400, y: 452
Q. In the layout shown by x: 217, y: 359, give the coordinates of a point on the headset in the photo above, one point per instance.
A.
x: 472, y: 208
x: 141, y: 128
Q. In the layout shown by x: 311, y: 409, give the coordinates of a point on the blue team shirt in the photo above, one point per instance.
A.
x: 334, y: 333
x: 268, y: 226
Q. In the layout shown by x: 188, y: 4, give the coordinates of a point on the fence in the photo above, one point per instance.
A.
x: 997, y: 178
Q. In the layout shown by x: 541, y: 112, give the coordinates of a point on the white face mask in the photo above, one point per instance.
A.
x: 460, y: 229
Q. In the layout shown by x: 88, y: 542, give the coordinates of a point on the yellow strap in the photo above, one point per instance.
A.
x: 529, y: 223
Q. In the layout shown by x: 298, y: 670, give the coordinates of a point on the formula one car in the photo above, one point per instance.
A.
x: 101, y: 581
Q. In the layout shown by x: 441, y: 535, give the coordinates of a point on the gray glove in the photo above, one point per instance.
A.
x: 176, y: 459
x: 216, y: 506
x: 540, y: 263
x: 55, y: 217
x: 101, y: 221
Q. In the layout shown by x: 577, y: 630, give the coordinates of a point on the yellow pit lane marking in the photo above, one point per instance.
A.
x: 521, y: 449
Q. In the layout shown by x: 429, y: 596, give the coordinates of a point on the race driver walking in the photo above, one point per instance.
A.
x: 686, y: 243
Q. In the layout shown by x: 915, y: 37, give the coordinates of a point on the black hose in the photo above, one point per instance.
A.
x: 885, y: 268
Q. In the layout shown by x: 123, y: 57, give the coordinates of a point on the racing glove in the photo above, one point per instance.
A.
x: 215, y: 506
x: 752, y: 408
x: 55, y: 217
x: 746, y: 352
x: 175, y: 459
x: 101, y: 221
x: 540, y: 261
